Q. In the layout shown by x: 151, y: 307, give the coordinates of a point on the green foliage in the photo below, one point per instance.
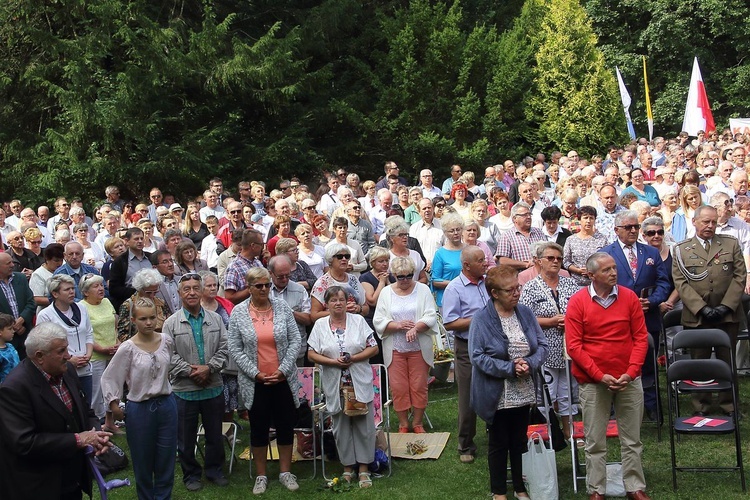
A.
x: 575, y: 97
x: 670, y: 33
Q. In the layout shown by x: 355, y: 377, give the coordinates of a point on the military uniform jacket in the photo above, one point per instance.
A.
x: 713, y: 279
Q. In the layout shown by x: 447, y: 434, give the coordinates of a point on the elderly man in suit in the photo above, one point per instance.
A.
x: 16, y: 299
x: 46, y: 424
x: 641, y: 269
x: 709, y: 273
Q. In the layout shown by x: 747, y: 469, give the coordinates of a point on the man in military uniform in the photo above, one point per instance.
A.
x: 709, y: 273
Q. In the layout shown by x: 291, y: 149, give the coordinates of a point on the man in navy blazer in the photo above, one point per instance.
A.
x: 650, y: 283
x: 16, y: 299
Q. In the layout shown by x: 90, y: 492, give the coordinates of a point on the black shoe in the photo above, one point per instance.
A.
x: 193, y: 485
x: 730, y: 414
x: 651, y: 415
x: 219, y: 481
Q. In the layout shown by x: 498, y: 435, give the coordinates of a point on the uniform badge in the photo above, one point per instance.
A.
x: 716, y: 261
x: 725, y: 267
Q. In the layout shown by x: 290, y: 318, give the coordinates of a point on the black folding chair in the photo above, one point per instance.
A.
x: 659, y: 410
x: 689, y: 376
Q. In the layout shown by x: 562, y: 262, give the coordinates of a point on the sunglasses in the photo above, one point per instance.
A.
x: 440, y: 205
x: 552, y: 258
x: 630, y: 227
x: 261, y: 286
x: 405, y: 277
x: 235, y: 211
x: 654, y: 232
x: 341, y: 256
x: 190, y: 276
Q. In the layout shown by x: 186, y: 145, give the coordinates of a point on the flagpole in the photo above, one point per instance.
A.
x: 649, y: 114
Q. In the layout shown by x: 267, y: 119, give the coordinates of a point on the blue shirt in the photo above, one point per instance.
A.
x: 463, y: 299
x: 446, y: 265
x: 8, y: 360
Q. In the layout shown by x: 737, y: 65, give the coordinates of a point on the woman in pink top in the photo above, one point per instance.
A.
x: 264, y: 341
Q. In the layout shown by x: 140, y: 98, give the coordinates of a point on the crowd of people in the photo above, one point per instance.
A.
x: 165, y: 313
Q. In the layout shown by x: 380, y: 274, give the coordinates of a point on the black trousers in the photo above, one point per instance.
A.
x: 507, y: 436
x: 272, y: 405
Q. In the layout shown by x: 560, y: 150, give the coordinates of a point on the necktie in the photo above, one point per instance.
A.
x: 372, y: 202
x: 707, y: 246
x: 633, y: 261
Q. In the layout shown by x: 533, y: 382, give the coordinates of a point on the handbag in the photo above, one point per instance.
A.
x: 352, y: 407
x: 539, y: 469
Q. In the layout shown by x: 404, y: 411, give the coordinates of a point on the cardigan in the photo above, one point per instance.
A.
x: 243, y: 347
x: 426, y: 313
x: 324, y: 343
x: 488, y: 351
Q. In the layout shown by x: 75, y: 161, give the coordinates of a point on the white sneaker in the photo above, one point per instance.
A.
x: 289, y: 480
x: 261, y: 483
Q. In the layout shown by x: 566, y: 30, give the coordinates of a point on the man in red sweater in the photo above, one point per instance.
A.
x: 606, y: 337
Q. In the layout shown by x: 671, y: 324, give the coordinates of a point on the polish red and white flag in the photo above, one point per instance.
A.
x: 697, y: 110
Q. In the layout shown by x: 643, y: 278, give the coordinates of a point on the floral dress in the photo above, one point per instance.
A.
x: 541, y: 299
x: 577, y: 250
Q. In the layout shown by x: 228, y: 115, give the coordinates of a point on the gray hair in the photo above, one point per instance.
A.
x: 41, y: 336
x: 334, y: 248
x: 538, y: 248
x: 468, y: 251
x: 718, y: 198
x: 652, y: 221
x: 592, y: 263
x: 77, y: 211
x: 625, y: 215
x: 395, y: 225
x: 208, y: 274
x: 451, y: 220
x: 517, y: 206
x: 146, y: 278
x: 81, y: 225
x: 377, y: 252
x: 56, y: 281
x: 256, y: 273
x: 89, y: 280
x: 402, y: 265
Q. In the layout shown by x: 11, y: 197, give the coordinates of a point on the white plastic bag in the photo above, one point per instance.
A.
x: 539, y: 470
x: 615, y: 484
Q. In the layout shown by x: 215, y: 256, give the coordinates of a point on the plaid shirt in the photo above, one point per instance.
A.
x: 235, y: 277
x: 10, y: 295
x: 515, y: 245
x: 58, y: 387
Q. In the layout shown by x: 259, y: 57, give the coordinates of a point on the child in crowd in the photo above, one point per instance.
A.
x: 8, y: 355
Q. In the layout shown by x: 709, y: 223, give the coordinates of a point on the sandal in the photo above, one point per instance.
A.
x: 403, y: 430
x: 367, y: 481
x: 419, y: 429
x: 347, y: 476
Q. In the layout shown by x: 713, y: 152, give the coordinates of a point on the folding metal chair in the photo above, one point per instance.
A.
x: 381, y: 414
x: 656, y: 386
x: 226, y: 428
x: 684, y: 372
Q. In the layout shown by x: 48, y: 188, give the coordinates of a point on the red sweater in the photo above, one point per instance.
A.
x: 605, y: 341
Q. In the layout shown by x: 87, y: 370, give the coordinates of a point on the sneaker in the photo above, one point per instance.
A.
x: 289, y: 480
x: 261, y: 483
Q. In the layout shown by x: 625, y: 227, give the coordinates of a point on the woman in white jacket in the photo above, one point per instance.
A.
x: 406, y: 320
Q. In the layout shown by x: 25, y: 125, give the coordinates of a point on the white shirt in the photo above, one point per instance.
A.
x: 218, y: 211
x: 429, y: 236
x: 208, y: 251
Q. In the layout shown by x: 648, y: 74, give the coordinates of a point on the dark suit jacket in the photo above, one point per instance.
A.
x: 38, y: 453
x: 119, y: 292
x: 651, y: 272
x: 564, y: 234
x: 26, y: 309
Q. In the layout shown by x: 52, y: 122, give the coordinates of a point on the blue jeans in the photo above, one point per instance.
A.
x: 211, y: 412
x: 152, y: 438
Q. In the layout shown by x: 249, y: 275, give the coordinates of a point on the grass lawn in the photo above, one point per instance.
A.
x: 449, y: 479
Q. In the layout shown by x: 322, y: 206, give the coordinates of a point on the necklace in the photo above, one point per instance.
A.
x: 261, y: 315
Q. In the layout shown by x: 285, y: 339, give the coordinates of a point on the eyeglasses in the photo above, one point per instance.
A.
x: 630, y: 227
x: 261, y: 286
x: 527, y: 214
x: 405, y: 277
x: 36, y: 242
x: 512, y: 291
x: 341, y: 256
x: 403, y: 235
x: 283, y: 276
x: 440, y: 205
x: 654, y: 232
x: 552, y: 258
x: 355, y: 207
x: 190, y: 276
x: 235, y: 211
